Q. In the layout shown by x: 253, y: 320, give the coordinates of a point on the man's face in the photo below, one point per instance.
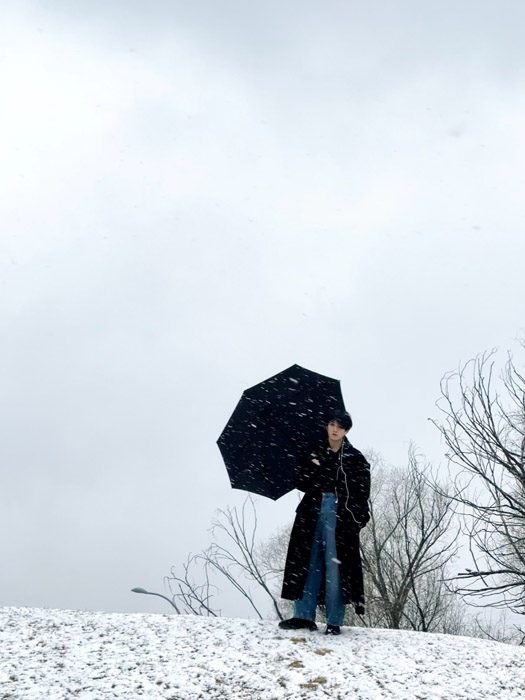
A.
x: 335, y: 431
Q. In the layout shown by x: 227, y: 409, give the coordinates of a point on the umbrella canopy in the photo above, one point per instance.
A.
x: 272, y: 426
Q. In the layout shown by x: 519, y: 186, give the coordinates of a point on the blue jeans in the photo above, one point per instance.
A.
x: 323, y: 561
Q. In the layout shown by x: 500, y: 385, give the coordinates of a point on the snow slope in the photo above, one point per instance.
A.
x: 60, y: 654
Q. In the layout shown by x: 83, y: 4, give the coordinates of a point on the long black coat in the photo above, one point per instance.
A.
x: 352, y: 491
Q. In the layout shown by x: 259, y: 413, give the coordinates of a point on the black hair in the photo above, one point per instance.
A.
x: 343, y: 418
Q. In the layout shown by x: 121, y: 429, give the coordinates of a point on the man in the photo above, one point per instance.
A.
x: 323, y: 563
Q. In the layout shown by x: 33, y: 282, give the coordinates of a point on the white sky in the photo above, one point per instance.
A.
x: 194, y: 196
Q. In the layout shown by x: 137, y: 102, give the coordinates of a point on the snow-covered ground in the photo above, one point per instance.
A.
x: 60, y: 654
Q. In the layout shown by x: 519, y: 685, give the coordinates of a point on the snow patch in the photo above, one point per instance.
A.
x: 57, y: 654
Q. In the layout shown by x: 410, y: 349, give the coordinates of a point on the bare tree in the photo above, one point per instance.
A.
x: 234, y: 556
x: 484, y: 431
x: 406, y: 549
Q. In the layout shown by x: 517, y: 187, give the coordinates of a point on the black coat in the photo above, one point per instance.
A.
x: 352, y: 489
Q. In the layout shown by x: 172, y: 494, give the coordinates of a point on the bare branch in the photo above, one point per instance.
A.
x: 410, y: 540
x: 483, y: 426
x: 234, y: 557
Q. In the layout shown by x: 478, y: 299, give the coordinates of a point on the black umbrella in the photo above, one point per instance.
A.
x: 272, y: 426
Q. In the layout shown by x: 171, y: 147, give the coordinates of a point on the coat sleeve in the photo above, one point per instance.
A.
x: 363, y: 484
x: 358, y: 481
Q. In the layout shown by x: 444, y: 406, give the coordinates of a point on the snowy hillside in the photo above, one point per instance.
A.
x: 58, y: 654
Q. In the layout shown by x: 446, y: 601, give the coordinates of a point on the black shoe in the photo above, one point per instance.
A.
x: 297, y: 623
x: 333, y: 629
x: 359, y: 609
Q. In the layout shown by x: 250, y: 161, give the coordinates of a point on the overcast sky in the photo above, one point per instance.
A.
x: 196, y: 195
